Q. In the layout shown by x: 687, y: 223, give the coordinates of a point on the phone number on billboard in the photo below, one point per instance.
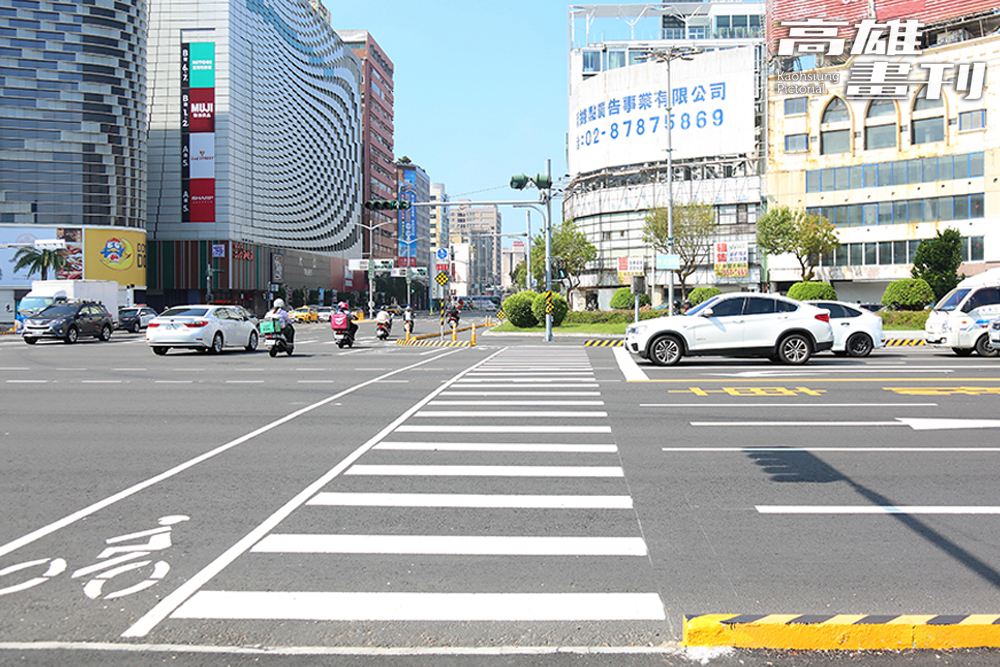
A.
x: 650, y: 125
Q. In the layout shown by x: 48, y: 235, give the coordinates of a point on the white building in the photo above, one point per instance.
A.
x: 620, y: 93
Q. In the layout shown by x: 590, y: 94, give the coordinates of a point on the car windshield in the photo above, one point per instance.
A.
x: 58, y: 310
x: 702, y: 306
x: 185, y: 311
x: 951, y: 300
x: 128, y: 312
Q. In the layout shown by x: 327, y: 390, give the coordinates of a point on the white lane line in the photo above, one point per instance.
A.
x: 869, y: 509
x: 315, y: 606
x: 526, y: 378
x: 863, y: 450
x: 136, y: 488
x: 513, y: 385
x: 787, y: 405
x: 511, y: 428
x: 485, y: 471
x: 316, y: 381
x: 171, y: 602
x: 520, y: 393
x: 480, y: 501
x: 536, y: 402
x: 497, y: 447
x: 26, y: 381
x: 627, y: 365
x: 530, y: 373
x: 451, y: 545
x: 451, y: 414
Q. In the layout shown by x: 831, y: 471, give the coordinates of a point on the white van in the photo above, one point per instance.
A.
x: 961, y: 318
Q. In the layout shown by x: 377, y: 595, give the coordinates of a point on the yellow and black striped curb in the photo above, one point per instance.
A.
x: 904, y: 342
x: 435, y: 343
x: 603, y: 343
x: 847, y: 632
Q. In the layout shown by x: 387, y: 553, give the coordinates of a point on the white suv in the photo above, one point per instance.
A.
x: 736, y: 325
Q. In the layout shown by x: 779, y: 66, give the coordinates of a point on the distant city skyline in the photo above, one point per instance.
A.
x: 480, y: 90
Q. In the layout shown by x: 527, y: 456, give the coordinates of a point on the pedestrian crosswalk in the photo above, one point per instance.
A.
x: 513, y: 505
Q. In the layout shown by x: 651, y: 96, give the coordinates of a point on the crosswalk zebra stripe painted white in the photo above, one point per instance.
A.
x: 526, y: 385
x: 531, y: 379
x: 520, y: 393
x: 509, y: 428
x: 484, y: 471
x: 468, y: 500
x: 535, y: 402
x: 498, y: 447
x: 323, y: 606
x: 454, y: 414
x: 451, y: 545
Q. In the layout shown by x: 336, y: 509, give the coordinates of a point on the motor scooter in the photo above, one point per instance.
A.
x: 382, y: 330
x: 274, y: 337
x: 340, y: 323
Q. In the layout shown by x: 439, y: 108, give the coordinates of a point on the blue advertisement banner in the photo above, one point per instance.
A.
x: 407, y: 183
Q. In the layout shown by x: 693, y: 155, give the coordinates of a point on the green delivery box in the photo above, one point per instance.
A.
x: 270, y: 326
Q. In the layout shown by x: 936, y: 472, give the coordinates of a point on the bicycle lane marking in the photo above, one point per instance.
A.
x: 136, y: 488
x: 171, y: 602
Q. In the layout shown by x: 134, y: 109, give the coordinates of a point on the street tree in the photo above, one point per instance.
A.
x: 783, y: 230
x: 694, y: 228
x: 40, y: 260
x: 568, y: 244
x: 937, y: 260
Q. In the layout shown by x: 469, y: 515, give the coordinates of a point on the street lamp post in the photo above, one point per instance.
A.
x: 544, y: 184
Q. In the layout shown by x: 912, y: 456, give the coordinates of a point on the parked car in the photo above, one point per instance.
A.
x: 323, y: 312
x: 68, y: 320
x: 135, y: 318
x: 304, y: 314
x: 856, y: 331
x: 739, y: 324
x: 204, y: 328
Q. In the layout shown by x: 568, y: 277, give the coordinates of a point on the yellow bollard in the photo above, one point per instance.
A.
x: 454, y: 334
x: 473, y: 334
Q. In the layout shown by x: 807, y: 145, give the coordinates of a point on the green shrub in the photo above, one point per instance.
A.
x: 699, y: 294
x: 896, y: 320
x: 908, y: 294
x: 517, y: 308
x: 805, y: 291
x: 559, y: 308
x: 623, y: 298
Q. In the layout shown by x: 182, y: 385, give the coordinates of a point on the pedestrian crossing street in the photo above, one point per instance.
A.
x: 500, y: 500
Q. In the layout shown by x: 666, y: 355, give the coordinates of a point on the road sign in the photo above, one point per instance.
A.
x: 442, y: 278
x: 442, y: 253
x: 668, y: 262
x: 384, y: 263
x: 441, y: 267
x: 548, y: 303
x: 501, y: 315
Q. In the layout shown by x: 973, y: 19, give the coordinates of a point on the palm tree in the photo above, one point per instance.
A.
x: 40, y: 260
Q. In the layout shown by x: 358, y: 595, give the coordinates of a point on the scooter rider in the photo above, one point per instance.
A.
x: 453, y: 315
x: 279, y: 313
x: 384, y: 317
x: 342, y: 307
x: 408, y: 319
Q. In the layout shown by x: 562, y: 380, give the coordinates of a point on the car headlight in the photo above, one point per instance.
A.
x: 946, y: 327
x: 634, y: 329
x: 56, y: 324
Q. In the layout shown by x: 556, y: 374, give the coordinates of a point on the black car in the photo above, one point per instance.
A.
x: 68, y: 321
x: 135, y: 318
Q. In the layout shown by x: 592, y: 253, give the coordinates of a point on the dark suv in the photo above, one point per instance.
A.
x: 69, y: 320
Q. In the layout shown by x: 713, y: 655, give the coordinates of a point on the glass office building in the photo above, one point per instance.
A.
x: 72, y: 113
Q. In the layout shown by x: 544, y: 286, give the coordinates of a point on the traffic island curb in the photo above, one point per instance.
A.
x: 435, y: 343
x: 847, y: 632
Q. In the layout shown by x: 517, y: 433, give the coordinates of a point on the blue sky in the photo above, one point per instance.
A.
x: 480, y: 89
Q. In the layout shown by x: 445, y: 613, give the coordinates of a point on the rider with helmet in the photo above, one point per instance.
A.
x: 342, y: 307
x: 279, y: 313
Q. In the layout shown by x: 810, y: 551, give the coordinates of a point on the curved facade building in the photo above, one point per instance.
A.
x: 255, y: 126
x: 72, y: 133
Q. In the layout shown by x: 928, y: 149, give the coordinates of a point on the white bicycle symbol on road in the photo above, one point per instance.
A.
x: 114, y: 561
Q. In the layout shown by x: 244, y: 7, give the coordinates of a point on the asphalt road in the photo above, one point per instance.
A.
x: 516, y: 502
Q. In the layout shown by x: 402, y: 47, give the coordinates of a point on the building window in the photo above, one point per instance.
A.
x: 616, y: 59
x: 928, y: 130
x: 591, y: 62
x: 834, y: 141
x: 796, y: 143
x: 971, y: 120
x: 796, y: 106
x: 922, y: 103
x: 880, y: 136
x: 836, y: 111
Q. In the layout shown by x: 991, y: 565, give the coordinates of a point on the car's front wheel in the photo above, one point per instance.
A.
x: 72, y: 335
x: 666, y: 350
x: 794, y: 349
x: 29, y: 340
x: 160, y: 350
x: 859, y: 345
x: 252, y: 343
x: 984, y: 348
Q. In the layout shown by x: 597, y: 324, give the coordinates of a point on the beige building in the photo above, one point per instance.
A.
x: 888, y: 172
x: 479, y: 227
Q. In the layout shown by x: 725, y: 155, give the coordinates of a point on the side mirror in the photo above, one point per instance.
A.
x: 706, y: 313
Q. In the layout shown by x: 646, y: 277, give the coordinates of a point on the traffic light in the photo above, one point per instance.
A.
x: 542, y: 182
x: 519, y: 182
x: 560, y: 270
x: 387, y: 205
